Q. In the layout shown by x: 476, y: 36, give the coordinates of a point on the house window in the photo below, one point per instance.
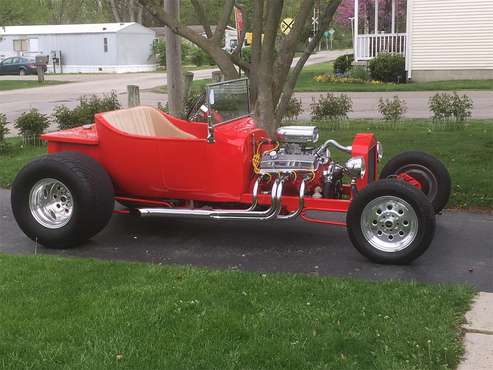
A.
x: 105, y: 44
x: 21, y: 45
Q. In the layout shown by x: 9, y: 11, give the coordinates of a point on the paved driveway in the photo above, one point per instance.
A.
x: 462, y: 251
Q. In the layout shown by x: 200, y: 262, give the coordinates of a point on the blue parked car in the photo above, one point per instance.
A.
x: 18, y: 66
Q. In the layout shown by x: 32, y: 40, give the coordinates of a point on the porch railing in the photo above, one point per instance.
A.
x: 370, y: 45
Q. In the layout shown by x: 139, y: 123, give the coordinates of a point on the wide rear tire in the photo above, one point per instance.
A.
x: 63, y: 199
x: 391, y: 222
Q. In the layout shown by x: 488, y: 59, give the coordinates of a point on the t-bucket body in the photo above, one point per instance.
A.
x: 219, y: 164
x: 193, y: 168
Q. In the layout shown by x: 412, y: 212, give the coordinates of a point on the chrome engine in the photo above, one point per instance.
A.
x: 295, y: 152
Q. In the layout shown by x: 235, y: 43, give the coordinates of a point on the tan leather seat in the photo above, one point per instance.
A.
x: 145, y: 121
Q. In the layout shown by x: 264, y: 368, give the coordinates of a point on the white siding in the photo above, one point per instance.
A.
x: 451, y: 34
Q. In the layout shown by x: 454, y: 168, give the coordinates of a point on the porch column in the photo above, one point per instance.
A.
x: 393, y: 16
x: 376, y: 16
x: 356, y: 28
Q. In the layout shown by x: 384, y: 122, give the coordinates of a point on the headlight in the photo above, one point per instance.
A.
x: 355, y: 167
x: 379, y: 151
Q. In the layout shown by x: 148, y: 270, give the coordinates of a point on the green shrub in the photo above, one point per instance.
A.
x: 388, y: 67
x: 246, y: 54
x: 392, y: 110
x: 343, y: 64
x: 32, y: 123
x: 449, y: 109
x: 4, y: 130
x: 199, y: 57
x: 83, y: 114
x: 332, y: 108
x: 295, y: 108
x: 359, y: 73
x: 159, y: 51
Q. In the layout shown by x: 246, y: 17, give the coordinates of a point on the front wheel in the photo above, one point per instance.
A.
x: 61, y: 200
x: 391, y: 222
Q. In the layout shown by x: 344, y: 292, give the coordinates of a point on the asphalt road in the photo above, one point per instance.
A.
x: 462, y: 251
x: 14, y: 102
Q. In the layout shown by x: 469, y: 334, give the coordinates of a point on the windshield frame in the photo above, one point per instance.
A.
x: 208, y: 103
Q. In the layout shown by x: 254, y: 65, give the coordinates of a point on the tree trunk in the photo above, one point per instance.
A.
x: 173, y: 62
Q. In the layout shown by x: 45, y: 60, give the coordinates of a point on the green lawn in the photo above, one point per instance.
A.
x: 17, y: 156
x: 24, y: 84
x: 82, y: 314
x: 467, y: 154
x: 307, y: 84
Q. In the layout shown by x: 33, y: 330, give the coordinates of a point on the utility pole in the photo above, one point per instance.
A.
x: 173, y: 62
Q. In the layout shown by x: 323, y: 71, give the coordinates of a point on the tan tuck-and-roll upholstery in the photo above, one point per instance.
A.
x: 144, y: 121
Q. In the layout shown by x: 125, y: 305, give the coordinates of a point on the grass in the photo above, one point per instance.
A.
x: 307, y: 84
x: 83, y: 314
x: 467, y: 154
x: 25, y: 84
x: 16, y: 158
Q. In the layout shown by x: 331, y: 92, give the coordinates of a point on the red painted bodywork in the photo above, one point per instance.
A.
x: 159, y: 169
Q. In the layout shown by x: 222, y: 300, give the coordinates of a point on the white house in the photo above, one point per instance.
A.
x: 442, y: 39
x: 83, y: 48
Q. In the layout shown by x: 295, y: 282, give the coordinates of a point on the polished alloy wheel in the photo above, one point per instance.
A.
x: 51, y: 203
x: 389, y: 223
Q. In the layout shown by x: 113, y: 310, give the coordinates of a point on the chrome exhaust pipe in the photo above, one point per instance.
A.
x: 301, y: 203
x: 247, y: 214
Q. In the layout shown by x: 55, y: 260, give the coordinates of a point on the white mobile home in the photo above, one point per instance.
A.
x: 83, y: 48
x: 441, y: 39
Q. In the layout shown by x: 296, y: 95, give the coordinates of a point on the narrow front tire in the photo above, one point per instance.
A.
x: 391, y: 222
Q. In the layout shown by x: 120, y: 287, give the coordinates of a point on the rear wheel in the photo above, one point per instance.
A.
x: 391, y: 222
x: 62, y: 199
x: 426, y: 172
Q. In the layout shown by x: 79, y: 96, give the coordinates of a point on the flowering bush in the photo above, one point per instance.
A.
x: 344, y: 80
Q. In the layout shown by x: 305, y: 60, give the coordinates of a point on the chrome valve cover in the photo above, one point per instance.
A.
x: 276, y: 162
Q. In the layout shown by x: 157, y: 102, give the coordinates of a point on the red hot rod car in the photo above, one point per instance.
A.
x: 226, y: 168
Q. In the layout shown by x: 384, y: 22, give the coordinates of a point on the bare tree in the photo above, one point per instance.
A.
x: 126, y: 10
x: 272, y: 79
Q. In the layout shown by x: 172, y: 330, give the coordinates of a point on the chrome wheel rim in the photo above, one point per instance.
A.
x: 51, y: 203
x: 389, y: 224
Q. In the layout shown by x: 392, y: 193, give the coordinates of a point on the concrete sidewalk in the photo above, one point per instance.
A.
x: 479, y: 335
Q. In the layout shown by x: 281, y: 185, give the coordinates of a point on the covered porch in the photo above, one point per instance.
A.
x: 379, y: 26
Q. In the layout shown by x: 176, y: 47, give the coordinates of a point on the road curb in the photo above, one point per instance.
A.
x: 478, y: 340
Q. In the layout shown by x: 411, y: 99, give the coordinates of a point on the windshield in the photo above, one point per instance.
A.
x: 228, y: 100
